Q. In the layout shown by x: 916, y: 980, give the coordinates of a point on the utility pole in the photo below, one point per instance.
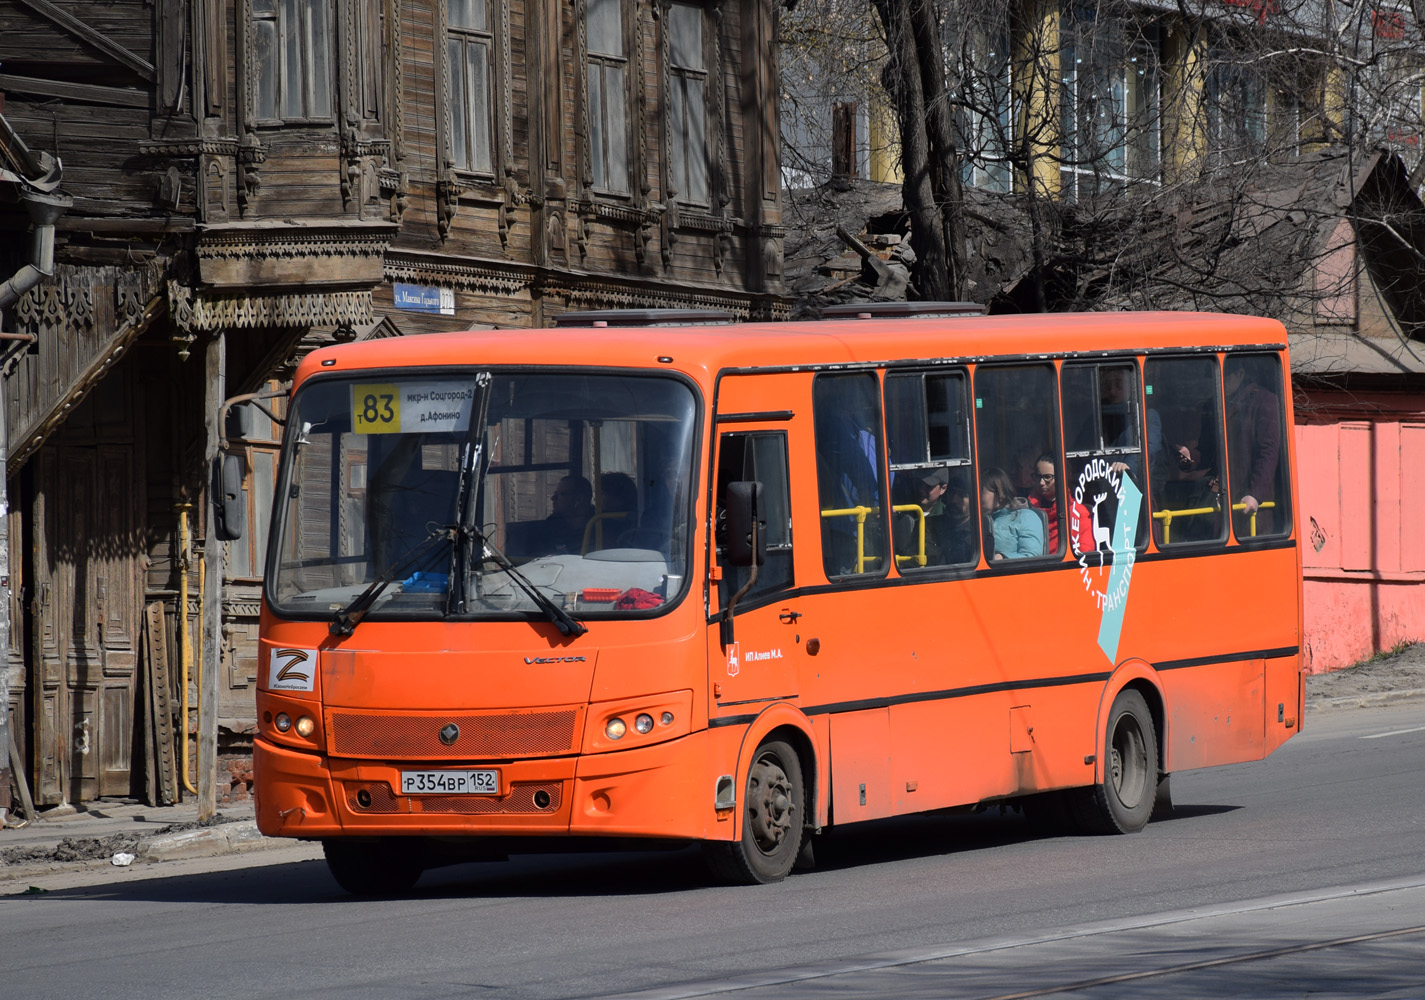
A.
x: 214, y: 391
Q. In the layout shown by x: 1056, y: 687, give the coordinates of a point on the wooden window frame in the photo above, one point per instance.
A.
x: 492, y: 37
x: 278, y: 73
x: 679, y: 143
x: 598, y: 122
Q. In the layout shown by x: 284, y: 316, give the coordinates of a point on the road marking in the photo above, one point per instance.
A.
x: 1393, y: 732
x: 935, y: 953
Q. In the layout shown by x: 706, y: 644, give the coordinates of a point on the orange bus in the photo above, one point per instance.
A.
x: 733, y: 584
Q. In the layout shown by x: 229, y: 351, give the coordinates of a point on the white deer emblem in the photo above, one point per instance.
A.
x: 1102, y: 534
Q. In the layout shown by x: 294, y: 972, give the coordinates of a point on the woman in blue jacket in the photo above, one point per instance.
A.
x: 1018, y: 528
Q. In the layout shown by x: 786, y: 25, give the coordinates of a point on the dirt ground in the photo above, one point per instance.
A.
x: 1396, y: 672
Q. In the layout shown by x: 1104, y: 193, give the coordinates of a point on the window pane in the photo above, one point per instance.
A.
x: 1256, y: 450
x: 1103, y: 465
x: 318, y: 73
x: 1015, y: 423
x: 468, y: 14
x: 848, y: 460
x: 597, y: 132
x: 459, y: 112
x: 685, y: 36
x: 1183, y: 401
x: 479, y: 105
x: 292, y: 67
x: 265, y: 57
x: 617, y: 148
x: 605, y: 34
x: 932, y: 489
x: 678, y: 127
x: 759, y: 457
x: 696, y: 180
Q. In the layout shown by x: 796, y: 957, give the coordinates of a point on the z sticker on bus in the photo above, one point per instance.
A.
x: 1103, y: 516
x: 292, y: 670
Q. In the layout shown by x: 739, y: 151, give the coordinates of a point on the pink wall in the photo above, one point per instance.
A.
x: 1363, y: 556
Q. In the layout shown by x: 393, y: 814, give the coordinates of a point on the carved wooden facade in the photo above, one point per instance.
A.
x: 273, y: 171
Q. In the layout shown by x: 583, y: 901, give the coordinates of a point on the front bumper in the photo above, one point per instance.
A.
x: 663, y: 791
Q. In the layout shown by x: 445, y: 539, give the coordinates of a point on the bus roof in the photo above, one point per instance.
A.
x: 701, y: 351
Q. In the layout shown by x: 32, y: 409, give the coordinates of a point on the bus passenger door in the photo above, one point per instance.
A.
x: 758, y: 666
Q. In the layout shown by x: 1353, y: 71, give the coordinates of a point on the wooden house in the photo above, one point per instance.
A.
x: 248, y: 176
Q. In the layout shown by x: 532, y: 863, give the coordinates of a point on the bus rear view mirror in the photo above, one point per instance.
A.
x: 746, y: 524
x: 229, y: 503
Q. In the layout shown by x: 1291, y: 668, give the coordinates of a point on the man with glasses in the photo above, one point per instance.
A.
x: 1044, y: 497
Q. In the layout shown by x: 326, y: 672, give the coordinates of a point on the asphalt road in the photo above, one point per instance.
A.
x: 1302, y: 875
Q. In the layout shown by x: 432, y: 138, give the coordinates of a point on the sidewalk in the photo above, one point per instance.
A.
x: 124, y: 832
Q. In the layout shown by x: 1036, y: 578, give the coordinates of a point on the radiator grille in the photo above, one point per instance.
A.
x: 519, y: 800
x: 416, y: 737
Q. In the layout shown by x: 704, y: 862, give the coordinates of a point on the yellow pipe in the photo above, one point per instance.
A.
x: 1166, y: 516
x: 185, y: 640
x: 860, y: 514
x: 919, y: 511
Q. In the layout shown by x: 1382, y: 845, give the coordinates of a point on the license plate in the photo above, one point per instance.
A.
x: 450, y: 782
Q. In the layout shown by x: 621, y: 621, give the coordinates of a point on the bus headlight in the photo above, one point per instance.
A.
x: 305, y: 726
x: 644, y: 722
x: 615, y: 729
x: 283, y: 722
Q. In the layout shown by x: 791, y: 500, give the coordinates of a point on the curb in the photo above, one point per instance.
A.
x: 205, y: 842
x: 1370, y: 699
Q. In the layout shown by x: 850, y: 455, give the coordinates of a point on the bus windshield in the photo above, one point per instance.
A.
x: 582, y: 483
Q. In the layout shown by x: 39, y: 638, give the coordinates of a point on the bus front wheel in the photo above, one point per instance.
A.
x: 372, y: 867
x: 773, y: 814
x: 1123, y: 801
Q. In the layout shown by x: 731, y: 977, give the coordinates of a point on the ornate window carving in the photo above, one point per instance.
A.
x: 292, y: 60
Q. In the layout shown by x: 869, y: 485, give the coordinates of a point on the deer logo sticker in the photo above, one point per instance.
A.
x: 1103, y: 522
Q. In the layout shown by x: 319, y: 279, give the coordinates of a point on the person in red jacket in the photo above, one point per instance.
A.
x: 1045, y: 497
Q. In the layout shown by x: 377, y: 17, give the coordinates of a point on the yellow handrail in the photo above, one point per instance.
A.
x: 860, y: 513
x: 919, y: 557
x: 1166, y: 516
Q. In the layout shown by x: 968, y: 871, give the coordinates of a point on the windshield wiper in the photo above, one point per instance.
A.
x: 350, y: 616
x: 562, y: 620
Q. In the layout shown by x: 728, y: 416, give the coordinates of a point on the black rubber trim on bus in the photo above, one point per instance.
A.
x: 839, y: 707
x: 749, y: 418
x: 1251, y: 654
x: 836, y: 708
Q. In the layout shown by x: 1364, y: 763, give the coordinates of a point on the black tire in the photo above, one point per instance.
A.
x: 1123, y: 801
x: 773, y: 821
x: 373, y: 867
x: 1163, y: 802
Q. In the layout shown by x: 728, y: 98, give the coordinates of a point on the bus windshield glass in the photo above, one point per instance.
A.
x: 582, y: 485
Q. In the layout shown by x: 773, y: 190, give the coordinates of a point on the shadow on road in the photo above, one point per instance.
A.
x: 628, y: 873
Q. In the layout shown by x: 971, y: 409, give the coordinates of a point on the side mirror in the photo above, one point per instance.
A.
x: 743, y: 503
x: 229, y: 501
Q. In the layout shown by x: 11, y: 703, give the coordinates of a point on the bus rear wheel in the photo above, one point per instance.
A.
x: 372, y: 867
x: 1123, y: 801
x: 773, y: 813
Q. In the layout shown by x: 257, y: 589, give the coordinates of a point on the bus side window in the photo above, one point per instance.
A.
x: 759, y: 456
x: 847, y: 414
x: 1016, y: 423
x: 1185, y: 475
x: 933, y: 519
x: 1256, y: 446
x: 1104, y: 467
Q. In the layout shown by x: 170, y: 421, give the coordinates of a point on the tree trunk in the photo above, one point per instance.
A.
x: 940, y: 129
x: 902, y: 79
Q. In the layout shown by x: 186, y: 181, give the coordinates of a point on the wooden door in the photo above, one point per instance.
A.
x: 85, y: 621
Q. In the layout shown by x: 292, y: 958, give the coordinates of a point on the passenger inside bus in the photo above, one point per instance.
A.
x: 959, y: 539
x: 1017, y: 528
x: 563, y: 530
x: 1045, y: 498
x: 924, y: 488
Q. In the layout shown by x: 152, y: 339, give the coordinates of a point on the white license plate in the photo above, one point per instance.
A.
x: 450, y: 782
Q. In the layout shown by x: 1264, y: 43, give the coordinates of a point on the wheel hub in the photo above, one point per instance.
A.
x: 769, y: 804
